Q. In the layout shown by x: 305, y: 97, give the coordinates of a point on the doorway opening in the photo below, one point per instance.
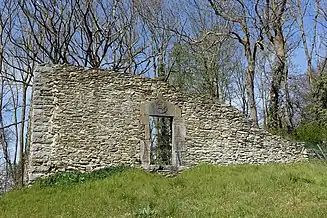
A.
x: 161, y: 135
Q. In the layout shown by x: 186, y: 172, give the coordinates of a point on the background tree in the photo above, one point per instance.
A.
x: 244, y: 27
x: 272, y: 18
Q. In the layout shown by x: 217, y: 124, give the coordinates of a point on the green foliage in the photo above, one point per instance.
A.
x: 69, y: 178
x: 316, y: 111
x: 275, y: 190
x: 312, y: 133
x: 146, y: 212
x: 161, y: 140
x: 319, y: 106
x: 313, y: 128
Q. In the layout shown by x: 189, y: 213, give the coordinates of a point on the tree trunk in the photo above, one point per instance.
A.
x: 263, y: 101
x: 274, y: 122
x: 21, y: 139
x: 250, y: 90
x: 287, y: 104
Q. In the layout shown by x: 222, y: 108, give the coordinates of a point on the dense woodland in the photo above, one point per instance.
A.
x: 266, y: 57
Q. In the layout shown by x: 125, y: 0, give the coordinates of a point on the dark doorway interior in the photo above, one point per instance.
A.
x: 161, y: 140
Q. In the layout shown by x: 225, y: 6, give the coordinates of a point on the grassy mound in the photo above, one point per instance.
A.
x: 290, y: 190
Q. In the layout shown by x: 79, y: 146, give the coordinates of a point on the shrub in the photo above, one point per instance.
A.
x: 313, y: 133
x: 68, y: 178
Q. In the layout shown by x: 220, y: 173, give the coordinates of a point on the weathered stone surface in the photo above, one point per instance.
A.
x: 89, y: 119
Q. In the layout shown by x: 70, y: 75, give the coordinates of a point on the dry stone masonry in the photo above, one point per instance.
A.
x: 89, y: 119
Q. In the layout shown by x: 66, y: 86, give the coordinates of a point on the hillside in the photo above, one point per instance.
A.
x: 291, y: 190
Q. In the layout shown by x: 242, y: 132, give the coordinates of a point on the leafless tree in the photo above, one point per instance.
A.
x: 248, y: 32
x: 302, y: 8
x: 271, y: 15
x: 7, y: 13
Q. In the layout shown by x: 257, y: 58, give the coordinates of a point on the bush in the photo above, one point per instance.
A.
x: 68, y: 178
x: 312, y: 133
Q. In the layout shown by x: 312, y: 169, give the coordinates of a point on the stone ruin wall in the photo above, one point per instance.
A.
x: 89, y: 119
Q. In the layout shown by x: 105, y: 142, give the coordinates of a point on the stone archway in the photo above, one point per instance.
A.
x: 160, y: 108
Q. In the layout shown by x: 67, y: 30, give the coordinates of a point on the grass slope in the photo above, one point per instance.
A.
x: 291, y: 190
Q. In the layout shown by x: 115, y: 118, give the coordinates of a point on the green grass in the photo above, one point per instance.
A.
x: 288, y: 190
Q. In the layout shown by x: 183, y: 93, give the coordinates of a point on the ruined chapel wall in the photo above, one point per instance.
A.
x: 87, y: 119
